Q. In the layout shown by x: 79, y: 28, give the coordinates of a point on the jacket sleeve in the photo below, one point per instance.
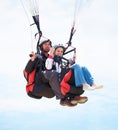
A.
x: 49, y: 63
x: 30, y: 66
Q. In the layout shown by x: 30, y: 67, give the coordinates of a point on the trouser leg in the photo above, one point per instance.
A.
x: 44, y: 90
x: 76, y: 90
x: 53, y: 78
x: 79, y: 77
x: 88, y: 77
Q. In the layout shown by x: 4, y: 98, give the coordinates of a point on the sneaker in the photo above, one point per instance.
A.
x: 97, y: 87
x: 67, y: 103
x: 93, y: 87
x: 78, y: 99
x: 87, y: 87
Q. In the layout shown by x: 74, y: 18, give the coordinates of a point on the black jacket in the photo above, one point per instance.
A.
x: 41, y: 85
x: 39, y: 65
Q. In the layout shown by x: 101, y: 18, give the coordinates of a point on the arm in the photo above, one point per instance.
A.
x: 49, y: 61
x: 31, y: 63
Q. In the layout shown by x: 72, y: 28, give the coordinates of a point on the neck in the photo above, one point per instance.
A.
x: 45, y: 53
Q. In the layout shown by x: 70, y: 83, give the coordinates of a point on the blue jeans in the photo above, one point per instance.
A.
x: 82, y: 75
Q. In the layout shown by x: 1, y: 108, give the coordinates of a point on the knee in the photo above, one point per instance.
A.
x: 54, y: 74
x: 84, y: 68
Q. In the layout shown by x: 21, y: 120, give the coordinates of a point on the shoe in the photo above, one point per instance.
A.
x: 78, y: 99
x: 93, y: 87
x: 67, y: 103
x: 87, y: 87
x: 97, y: 87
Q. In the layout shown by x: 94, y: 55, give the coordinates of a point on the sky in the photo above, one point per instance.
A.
x: 96, y: 41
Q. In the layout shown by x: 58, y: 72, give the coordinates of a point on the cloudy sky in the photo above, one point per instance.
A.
x: 97, y: 48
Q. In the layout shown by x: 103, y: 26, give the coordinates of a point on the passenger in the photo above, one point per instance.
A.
x: 54, y: 62
x: 76, y: 79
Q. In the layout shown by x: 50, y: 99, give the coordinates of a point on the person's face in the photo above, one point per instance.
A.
x: 46, y: 46
x: 59, y: 51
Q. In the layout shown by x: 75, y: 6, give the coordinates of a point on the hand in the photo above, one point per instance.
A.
x: 71, y: 62
x: 52, y: 49
x: 32, y: 55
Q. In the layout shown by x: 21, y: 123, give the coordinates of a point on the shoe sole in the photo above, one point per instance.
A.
x: 71, y: 105
x: 99, y: 87
x: 81, y: 101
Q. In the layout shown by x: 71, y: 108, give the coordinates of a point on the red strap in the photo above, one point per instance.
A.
x: 30, y: 80
x: 65, y: 87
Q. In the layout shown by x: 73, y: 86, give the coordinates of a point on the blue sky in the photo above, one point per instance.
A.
x: 97, y: 48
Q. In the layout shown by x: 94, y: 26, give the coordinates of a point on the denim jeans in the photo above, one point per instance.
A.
x: 82, y: 75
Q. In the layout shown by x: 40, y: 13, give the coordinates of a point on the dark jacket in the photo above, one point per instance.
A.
x: 37, y: 85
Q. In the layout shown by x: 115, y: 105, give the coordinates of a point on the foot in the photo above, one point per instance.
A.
x: 93, y: 87
x: 78, y: 99
x: 67, y: 103
x: 97, y: 87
